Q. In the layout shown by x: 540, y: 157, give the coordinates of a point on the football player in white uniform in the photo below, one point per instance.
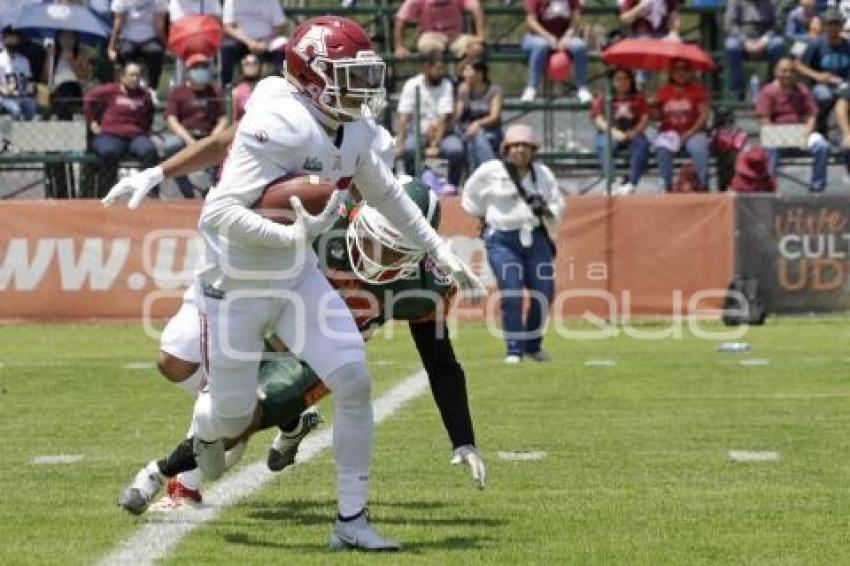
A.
x: 257, y: 275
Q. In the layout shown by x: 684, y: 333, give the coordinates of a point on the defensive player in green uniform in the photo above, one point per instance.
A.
x: 381, y: 277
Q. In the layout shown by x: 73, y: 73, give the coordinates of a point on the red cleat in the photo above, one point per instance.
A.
x: 179, y: 492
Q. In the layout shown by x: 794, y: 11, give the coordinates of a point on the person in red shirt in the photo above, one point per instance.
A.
x: 250, y: 75
x: 440, y: 24
x: 553, y: 25
x: 120, y: 115
x: 651, y: 18
x: 752, y: 173
x: 194, y: 111
x: 785, y: 101
x: 683, y: 107
x: 629, y: 118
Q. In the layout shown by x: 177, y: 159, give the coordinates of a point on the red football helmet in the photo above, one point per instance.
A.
x: 331, y: 60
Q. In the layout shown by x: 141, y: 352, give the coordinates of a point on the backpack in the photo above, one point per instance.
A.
x: 744, y: 303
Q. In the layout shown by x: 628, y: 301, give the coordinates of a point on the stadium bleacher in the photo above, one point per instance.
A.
x: 550, y: 112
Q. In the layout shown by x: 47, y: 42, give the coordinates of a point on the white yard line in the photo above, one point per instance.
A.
x: 156, y: 540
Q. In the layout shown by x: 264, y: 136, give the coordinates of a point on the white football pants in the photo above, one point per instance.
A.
x: 313, y: 321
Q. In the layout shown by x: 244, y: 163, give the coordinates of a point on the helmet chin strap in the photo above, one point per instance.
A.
x: 331, y: 124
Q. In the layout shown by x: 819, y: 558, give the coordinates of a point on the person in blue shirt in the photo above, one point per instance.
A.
x: 826, y: 62
x: 803, y: 24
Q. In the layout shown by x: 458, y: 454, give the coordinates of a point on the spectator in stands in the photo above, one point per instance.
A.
x: 179, y: 9
x: 72, y: 69
x: 826, y: 62
x: 802, y: 26
x: 554, y: 25
x: 752, y: 173
x: 17, y: 89
x: 651, y: 18
x: 753, y: 30
x: 842, y: 117
x: 630, y: 117
x: 515, y: 199
x: 478, y: 113
x: 194, y: 111
x: 436, y: 109
x: 251, y: 26
x: 440, y: 27
x: 250, y: 74
x: 785, y: 101
x: 35, y: 53
x: 683, y: 107
x: 138, y: 34
x: 119, y: 115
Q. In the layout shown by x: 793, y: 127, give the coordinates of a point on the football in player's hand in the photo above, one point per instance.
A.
x: 312, y: 190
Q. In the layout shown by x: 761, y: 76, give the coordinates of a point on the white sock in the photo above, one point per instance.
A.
x: 192, y: 384
x: 153, y: 468
x: 352, y: 435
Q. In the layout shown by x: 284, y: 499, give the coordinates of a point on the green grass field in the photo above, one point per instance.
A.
x: 637, y: 468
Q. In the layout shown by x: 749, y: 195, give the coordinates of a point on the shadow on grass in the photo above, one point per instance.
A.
x: 446, y: 544
x: 320, y: 511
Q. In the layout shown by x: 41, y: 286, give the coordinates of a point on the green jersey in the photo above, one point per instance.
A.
x: 288, y: 386
x: 414, y: 298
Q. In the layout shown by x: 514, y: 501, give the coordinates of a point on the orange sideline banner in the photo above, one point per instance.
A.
x: 76, y: 260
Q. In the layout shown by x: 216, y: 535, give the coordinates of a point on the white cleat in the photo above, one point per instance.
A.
x: 357, y: 534
x: 209, y: 457
x: 512, y: 359
x: 138, y: 496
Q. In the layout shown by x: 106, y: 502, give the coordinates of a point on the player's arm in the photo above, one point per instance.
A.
x: 194, y: 157
x: 447, y: 379
x: 383, y: 191
x: 448, y: 385
x: 228, y: 210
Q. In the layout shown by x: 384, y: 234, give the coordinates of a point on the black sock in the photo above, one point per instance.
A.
x: 291, y: 425
x: 182, y: 459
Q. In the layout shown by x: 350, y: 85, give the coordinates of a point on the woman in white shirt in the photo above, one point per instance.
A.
x: 518, y: 200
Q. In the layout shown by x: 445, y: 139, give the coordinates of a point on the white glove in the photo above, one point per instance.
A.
x: 307, y: 226
x: 462, y: 274
x: 467, y: 454
x: 136, y: 185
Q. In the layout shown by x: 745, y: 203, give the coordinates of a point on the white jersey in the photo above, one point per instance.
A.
x: 277, y: 136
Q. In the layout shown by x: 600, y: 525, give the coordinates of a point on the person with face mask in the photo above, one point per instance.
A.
x: 194, y: 111
x: 250, y: 68
x: 16, y: 86
x: 120, y: 115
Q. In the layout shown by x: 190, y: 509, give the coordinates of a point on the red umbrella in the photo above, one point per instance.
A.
x: 195, y: 34
x: 655, y: 55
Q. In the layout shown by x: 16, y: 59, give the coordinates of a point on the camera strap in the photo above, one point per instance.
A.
x: 514, y: 175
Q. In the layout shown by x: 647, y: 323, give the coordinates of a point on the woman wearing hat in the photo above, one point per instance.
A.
x: 517, y: 198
